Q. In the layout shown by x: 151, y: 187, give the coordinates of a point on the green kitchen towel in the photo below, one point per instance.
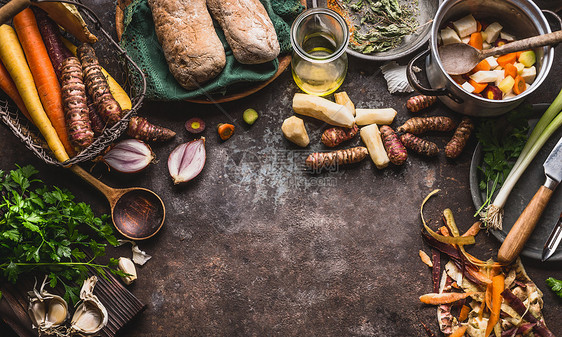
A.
x: 140, y: 41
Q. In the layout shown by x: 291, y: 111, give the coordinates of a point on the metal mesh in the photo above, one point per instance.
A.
x: 120, y: 64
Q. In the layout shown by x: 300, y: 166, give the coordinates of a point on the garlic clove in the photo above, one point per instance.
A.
x: 127, y: 266
x: 91, y: 315
x: 58, y: 313
x: 37, y: 313
x: 46, y: 310
x: 187, y: 160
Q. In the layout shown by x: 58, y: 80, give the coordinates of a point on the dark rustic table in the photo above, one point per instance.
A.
x: 256, y: 247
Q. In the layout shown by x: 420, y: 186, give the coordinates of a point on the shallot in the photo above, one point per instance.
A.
x: 187, y: 160
x: 129, y: 156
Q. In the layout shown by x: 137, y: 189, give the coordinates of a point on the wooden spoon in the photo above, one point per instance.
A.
x: 460, y: 58
x: 137, y: 213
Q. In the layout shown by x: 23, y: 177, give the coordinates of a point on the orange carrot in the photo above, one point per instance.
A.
x: 225, y: 131
x: 9, y: 87
x: 478, y: 26
x: 463, y: 315
x: 497, y: 288
x: 425, y: 258
x: 507, y: 58
x: 444, y: 298
x: 43, y: 73
x: 13, y: 57
x: 459, y: 332
x: 476, y: 40
x: 510, y: 70
x: 519, y: 85
x: 478, y: 87
x: 483, y: 65
x: 474, y: 229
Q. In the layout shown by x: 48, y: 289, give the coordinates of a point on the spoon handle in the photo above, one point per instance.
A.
x: 530, y: 43
x: 103, y: 188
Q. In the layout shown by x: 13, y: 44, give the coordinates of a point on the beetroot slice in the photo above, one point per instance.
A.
x: 195, y: 125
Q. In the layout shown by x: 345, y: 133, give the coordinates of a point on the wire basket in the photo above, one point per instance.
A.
x: 114, y: 58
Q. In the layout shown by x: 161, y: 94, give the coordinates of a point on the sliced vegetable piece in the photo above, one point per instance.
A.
x: 519, y: 85
x: 510, y: 70
x: 250, y: 116
x: 493, y: 31
x: 371, y: 136
x: 481, y: 66
x: 444, y: 298
x: 476, y: 40
x: 506, y: 84
x: 507, y: 58
x: 225, y: 130
x: 528, y: 58
x: 478, y: 87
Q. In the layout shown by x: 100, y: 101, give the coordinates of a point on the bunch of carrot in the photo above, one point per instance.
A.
x: 50, y: 90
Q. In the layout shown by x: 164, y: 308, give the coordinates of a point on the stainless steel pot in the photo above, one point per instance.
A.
x: 519, y: 17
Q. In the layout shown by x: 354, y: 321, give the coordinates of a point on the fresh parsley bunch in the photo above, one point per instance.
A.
x: 502, y: 141
x: 43, y: 230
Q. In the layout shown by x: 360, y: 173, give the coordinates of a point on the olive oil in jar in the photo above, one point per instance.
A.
x: 319, y: 62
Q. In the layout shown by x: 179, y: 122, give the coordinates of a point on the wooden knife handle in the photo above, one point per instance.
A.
x: 524, y: 226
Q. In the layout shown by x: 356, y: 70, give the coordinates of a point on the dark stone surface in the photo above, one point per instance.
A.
x: 254, y: 246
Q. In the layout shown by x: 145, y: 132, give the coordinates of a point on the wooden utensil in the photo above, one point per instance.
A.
x: 137, y: 213
x: 525, y: 224
x: 461, y: 58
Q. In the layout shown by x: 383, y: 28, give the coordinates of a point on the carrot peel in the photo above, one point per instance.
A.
x: 444, y: 298
x: 498, y: 286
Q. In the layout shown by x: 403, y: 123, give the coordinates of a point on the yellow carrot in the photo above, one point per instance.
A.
x: 116, y: 90
x: 13, y: 58
x: 498, y: 285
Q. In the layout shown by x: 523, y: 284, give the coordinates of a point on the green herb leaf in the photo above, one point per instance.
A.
x: 555, y: 285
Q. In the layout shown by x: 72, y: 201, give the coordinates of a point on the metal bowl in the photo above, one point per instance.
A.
x: 410, y: 43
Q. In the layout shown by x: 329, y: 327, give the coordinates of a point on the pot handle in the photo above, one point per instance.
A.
x: 413, y: 80
x: 556, y: 16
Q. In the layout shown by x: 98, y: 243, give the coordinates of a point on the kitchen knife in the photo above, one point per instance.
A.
x: 525, y: 224
x: 553, y: 240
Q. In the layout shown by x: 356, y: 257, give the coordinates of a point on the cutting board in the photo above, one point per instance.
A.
x: 121, y: 305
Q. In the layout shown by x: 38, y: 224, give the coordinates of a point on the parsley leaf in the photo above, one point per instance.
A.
x: 555, y: 285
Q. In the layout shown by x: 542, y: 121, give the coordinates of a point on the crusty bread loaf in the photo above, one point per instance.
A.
x: 193, y: 50
x: 248, y: 29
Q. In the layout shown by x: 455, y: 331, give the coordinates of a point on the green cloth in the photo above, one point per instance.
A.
x: 140, y: 41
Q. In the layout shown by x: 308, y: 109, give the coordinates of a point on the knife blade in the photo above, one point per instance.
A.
x: 553, y: 240
x: 525, y: 224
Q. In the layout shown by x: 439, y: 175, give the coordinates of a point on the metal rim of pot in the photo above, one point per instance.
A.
x: 541, y: 26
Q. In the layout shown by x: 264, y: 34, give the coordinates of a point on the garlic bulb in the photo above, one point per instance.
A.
x: 46, y: 310
x: 127, y: 266
x: 91, y: 315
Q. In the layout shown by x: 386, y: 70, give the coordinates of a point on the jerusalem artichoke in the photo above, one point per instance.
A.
x: 419, y: 102
x: 97, y: 87
x: 394, y: 148
x: 419, y: 145
x: 75, y: 104
x: 455, y: 146
x: 141, y: 128
x: 331, y: 160
x: 334, y: 136
x: 419, y: 125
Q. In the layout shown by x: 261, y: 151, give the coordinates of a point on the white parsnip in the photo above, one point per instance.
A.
x: 323, y: 109
x: 371, y: 136
x: 374, y: 116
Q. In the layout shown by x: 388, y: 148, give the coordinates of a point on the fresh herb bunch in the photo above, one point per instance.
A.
x: 382, y: 23
x: 555, y: 285
x: 502, y: 140
x: 42, y: 230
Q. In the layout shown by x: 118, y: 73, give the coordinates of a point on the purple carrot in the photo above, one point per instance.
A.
x: 520, y: 308
x: 51, y: 37
x: 436, y: 270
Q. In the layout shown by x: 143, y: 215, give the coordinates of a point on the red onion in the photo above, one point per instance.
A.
x: 187, y: 161
x: 129, y: 156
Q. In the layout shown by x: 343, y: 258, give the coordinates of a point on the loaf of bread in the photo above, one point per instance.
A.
x: 248, y: 29
x: 193, y: 50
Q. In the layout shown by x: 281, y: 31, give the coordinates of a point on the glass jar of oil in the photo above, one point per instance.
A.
x: 319, y: 37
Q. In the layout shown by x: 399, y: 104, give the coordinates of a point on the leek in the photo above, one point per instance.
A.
x: 547, y: 125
